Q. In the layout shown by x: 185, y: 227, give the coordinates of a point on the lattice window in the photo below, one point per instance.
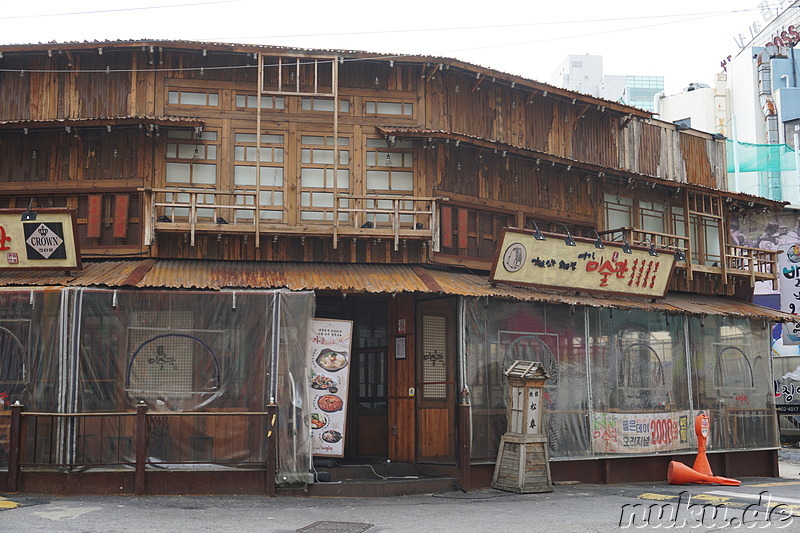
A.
x: 317, y: 180
x: 271, y: 192
x: 244, y: 101
x: 390, y: 172
x: 191, y: 163
x: 324, y: 105
x: 434, y: 357
x: 389, y: 108
x: 182, y: 97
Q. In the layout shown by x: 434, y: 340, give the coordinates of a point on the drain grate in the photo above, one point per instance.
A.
x: 335, y: 527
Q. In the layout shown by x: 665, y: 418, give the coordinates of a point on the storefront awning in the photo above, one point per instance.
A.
x: 361, y: 278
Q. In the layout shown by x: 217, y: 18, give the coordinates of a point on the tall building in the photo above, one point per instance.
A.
x: 584, y: 73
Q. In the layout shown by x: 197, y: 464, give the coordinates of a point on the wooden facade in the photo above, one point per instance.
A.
x: 183, y: 150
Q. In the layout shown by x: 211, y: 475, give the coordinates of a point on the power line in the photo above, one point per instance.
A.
x: 120, y: 10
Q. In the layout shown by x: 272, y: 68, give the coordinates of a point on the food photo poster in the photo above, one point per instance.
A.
x: 330, y: 349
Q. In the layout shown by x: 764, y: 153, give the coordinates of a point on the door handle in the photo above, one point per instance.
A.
x: 394, y: 430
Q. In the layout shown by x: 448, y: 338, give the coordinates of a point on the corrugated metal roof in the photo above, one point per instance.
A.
x: 359, y: 278
x: 417, y: 133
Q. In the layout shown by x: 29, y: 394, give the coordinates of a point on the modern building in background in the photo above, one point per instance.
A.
x: 584, y: 74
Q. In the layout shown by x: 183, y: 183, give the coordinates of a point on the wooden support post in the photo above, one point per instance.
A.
x: 464, y: 446
x: 270, y: 468
x: 139, y: 487
x: 15, y: 443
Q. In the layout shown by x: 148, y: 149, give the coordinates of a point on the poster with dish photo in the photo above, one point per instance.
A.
x: 329, y: 348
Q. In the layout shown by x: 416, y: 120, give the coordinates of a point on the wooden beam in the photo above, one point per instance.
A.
x: 477, y: 83
x: 432, y: 72
x: 626, y: 121
x: 530, y: 97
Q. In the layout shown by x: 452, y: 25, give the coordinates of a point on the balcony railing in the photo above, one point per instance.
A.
x: 193, y: 210
x: 754, y: 263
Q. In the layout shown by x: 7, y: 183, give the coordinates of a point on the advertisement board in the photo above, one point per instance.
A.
x: 44, y: 239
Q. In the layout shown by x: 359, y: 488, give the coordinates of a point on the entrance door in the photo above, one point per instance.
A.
x: 368, y: 398
x: 436, y: 382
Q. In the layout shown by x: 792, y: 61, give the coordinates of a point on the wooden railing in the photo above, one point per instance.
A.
x: 210, y: 210
x: 755, y: 263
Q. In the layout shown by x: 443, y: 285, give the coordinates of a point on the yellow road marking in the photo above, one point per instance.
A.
x: 711, y: 499
x: 8, y: 504
x: 659, y: 497
x: 774, y: 484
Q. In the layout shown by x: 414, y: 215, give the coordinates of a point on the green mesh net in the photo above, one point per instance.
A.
x: 760, y: 157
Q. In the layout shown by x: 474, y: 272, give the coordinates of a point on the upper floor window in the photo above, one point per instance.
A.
x: 317, y: 179
x: 388, y: 108
x: 389, y: 169
x: 192, y: 98
x: 191, y: 164
x: 266, y: 168
x: 244, y: 101
x: 324, y: 104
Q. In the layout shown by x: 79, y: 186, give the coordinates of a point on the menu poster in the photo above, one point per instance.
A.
x: 329, y: 349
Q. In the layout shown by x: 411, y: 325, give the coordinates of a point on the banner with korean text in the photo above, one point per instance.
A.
x: 330, y: 351
x: 526, y: 257
x: 640, y: 432
x: 789, y: 286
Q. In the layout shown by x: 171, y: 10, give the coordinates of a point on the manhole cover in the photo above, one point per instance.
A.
x: 335, y: 527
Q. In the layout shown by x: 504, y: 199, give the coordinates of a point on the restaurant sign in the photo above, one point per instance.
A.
x: 41, y: 240
x: 524, y: 259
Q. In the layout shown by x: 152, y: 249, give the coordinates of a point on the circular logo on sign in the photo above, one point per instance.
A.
x: 793, y: 253
x: 514, y: 257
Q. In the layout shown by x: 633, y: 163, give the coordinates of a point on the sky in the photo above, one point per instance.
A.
x: 682, y: 40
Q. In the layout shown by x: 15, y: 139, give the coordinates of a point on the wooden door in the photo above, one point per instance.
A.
x: 436, y: 382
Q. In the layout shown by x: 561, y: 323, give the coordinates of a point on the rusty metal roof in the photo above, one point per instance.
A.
x: 359, y: 278
x: 421, y: 133
x: 104, y: 121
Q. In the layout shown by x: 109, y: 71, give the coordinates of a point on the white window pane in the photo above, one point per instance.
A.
x: 209, y: 135
x: 377, y: 179
x: 390, y: 159
x: 322, y: 157
x: 344, y: 106
x: 385, y: 204
x: 244, y: 176
x: 182, y: 212
x: 182, y: 198
x: 343, y: 181
x: 312, y: 215
x: 306, y: 104
x: 312, y: 139
x: 205, y: 213
x: 343, y: 141
x: 206, y: 174
x: 370, y: 107
x: 402, y: 181
x: 271, y: 197
x: 251, y: 154
x: 213, y: 99
x: 381, y: 218
x: 211, y: 151
x: 266, y: 155
x: 344, y: 157
x: 312, y: 177
x: 194, y: 99
x: 241, y: 100
x: 278, y: 154
x: 272, y: 139
x: 245, y: 137
x: 376, y: 143
x: 186, y: 151
x: 390, y: 108
x: 406, y: 219
x: 241, y: 199
x: 408, y: 109
x: 271, y: 176
x: 279, y: 103
x: 324, y: 199
x: 370, y: 159
x: 178, y: 172
x: 172, y: 151
x: 173, y: 97
x: 244, y: 214
x: 179, y: 134
x: 238, y: 153
x: 323, y: 104
x: 271, y: 215
x: 408, y: 161
x: 305, y: 155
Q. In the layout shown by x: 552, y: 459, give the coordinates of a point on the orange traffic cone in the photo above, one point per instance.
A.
x: 701, y: 428
x: 680, y: 474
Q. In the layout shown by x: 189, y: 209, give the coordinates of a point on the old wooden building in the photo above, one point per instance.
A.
x: 225, y: 195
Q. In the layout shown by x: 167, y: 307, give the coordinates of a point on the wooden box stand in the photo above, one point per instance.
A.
x: 523, y: 456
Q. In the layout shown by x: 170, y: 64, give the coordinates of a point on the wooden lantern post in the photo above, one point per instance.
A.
x: 523, y: 457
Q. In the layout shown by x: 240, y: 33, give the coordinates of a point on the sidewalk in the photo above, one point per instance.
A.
x: 789, y: 463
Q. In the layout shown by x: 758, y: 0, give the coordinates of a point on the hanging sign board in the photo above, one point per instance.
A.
x: 330, y: 350
x: 40, y: 239
x: 522, y: 259
x: 789, y: 285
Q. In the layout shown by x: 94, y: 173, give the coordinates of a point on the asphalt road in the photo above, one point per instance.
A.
x: 759, y: 504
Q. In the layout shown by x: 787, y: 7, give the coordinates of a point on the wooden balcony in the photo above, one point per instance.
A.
x: 755, y: 264
x: 198, y: 210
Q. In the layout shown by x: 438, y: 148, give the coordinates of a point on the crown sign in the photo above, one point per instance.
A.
x: 45, y: 241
